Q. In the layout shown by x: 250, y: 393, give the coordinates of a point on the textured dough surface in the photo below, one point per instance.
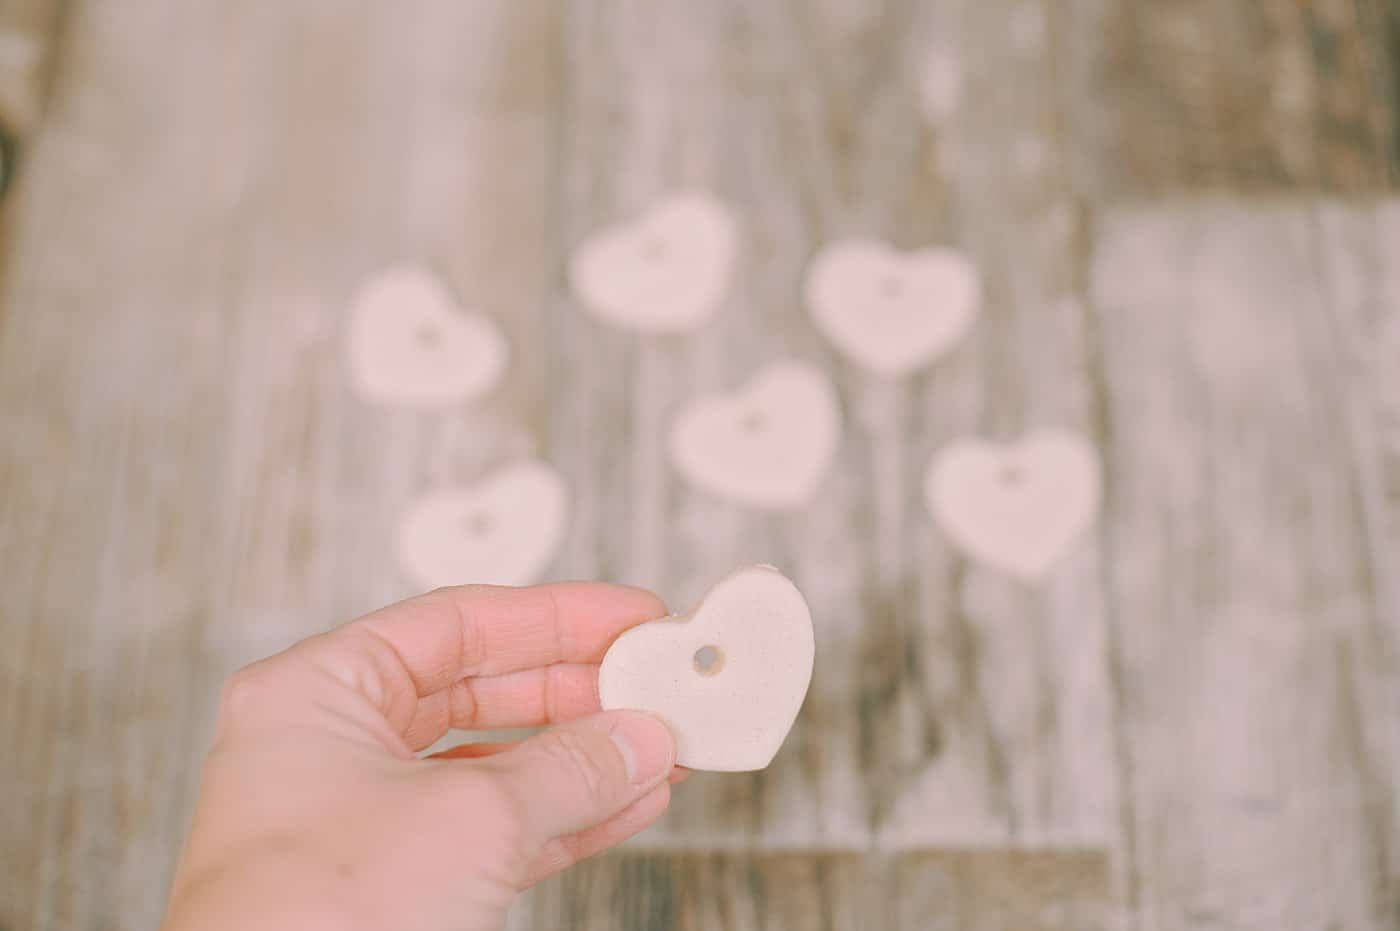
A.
x: 736, y: 719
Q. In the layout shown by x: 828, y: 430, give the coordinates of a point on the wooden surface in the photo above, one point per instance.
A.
x: 1252, y: 97
x: 979, y: 890
x: 1193, y: 725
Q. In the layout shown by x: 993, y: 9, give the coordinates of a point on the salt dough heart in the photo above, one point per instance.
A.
x: 888, y: 311
x: 666, y: 271
x: 1019, y: 507
x: 768, y: 445
x: 410, y: 345
x: 729, y: 677
x: 501, y: 531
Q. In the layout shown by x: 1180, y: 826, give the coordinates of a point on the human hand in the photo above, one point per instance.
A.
x: 316, y: 813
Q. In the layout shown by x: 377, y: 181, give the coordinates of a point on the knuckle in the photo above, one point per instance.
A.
x: 471, y: 648
x: 240, y: 696
x: 571, y: 754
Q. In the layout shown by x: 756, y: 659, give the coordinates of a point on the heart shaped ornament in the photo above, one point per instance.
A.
x: 666, y: 271
x: 503, y: 530
x: 411, y: 345
x: 888, y: 311
x: 729, y: 677
x: 1018, y: 507
x: 768, y: 445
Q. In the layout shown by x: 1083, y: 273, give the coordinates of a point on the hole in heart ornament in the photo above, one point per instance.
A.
x: 752, y: 422
x: 479, y: 525
x: 709, y: 660
x: 729, y: 677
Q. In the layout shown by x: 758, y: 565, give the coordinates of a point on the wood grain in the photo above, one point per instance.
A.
x: 187, y: 481
x: 28, y: 36
x: 924, y: 686
x: 1028, y: 753
x: 1192, y: 725
x: 1255, y: 629
x: 1273, y: 95
x: 967, y: 890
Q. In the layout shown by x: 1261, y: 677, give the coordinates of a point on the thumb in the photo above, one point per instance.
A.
x: 578, y: 775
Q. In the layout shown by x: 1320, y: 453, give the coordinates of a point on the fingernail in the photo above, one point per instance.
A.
x: 646, y: 745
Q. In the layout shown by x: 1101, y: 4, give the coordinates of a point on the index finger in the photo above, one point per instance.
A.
x: 485, y: 630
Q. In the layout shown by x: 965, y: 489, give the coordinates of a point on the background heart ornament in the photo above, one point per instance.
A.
x: 767, y: 445
x: 729, y: 677
x: 1016, y: 507
x: 888, y: 311
x: 502, y: 530
x: 411, y: 345
x: 666, y: 270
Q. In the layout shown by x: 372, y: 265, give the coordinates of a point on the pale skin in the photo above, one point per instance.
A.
x: 316, y: 812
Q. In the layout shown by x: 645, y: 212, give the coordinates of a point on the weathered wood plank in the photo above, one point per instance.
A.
x: 694, y: 891
x: 1014, y: 675
x: 983, y: 890
x: 1271, y: 95
x: 1255, y: 640
x: 661, y: 100
x: 104, y: 421
x: 956, y: 890
x: 186, y: 482
x: 924, y: 684
x: 27, y: 37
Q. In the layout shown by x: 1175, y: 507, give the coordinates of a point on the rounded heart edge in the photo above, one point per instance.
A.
x: 692, y: 614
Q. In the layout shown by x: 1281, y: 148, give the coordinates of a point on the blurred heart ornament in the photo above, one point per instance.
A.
x: 1016, y: 507
x: 888, y: 311
x: 502, y: 530
x: 769, y: 445
x: 410, y: 345
x: 666, y: 270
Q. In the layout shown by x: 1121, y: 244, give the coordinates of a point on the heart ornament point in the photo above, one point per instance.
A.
x: 1017, y: 507
x: 665, y: 271
x: 888, y: 311
x: 502, y: 530
x: 729, y: 677
x: 768, y: 445
x: 409, y: 343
